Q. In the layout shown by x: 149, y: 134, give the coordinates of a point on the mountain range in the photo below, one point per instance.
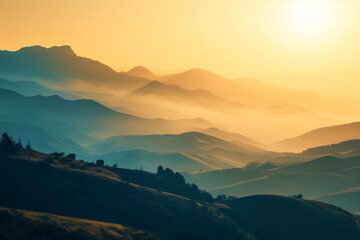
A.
x: 239, y: 105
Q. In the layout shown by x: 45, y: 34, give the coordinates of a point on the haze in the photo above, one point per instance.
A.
x: 298, y: 44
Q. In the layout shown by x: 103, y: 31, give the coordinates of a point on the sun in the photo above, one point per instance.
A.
x: 310, y: 16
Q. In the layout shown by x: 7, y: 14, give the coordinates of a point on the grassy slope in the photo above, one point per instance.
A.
x: 20, y: 224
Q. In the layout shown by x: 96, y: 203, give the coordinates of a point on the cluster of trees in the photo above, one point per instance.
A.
x: 59, y: 155
x: 298, y: 196
x: 223, y: 197
x: 170, y: 174
x: 177, y: 184
x: 8, y: 146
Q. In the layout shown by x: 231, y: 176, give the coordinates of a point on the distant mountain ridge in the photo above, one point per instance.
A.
x: 62, y: 64
x: 320, y: 137
x: 174, y: 92
x: 321, y: 177
x: 198, y: 150
x: 143, y: 72
x: 82, y: 121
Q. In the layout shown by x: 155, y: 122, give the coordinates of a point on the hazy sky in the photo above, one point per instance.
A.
x: 302, y: 44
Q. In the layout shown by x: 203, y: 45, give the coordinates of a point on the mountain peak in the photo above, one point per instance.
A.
x: 64, y: 50
x: 143, y: 72
x: 59, y: 50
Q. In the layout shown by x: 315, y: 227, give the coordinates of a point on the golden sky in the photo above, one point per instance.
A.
x: 306, y: 44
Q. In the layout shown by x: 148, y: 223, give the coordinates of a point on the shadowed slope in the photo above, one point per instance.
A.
x: 281, y: 218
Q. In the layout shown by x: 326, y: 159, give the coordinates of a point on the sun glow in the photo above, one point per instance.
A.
x: 310, y: 16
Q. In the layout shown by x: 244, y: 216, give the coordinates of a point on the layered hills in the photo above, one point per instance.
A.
x: 150, y: 205
x: 82, y: 120
x: 324, y: 176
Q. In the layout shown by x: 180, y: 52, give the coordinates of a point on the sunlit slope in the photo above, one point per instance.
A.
x: 319, y: 137
x: 297, y: 219
x: 231, y: 137
x: 20, y: 224
x: 342, y: 149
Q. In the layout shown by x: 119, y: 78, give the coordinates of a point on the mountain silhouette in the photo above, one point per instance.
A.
x: 62, y: 64
x: 143, y: 72
x: 179, y: 95
x: 202, y: 79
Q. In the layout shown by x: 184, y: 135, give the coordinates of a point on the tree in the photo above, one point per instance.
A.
x: 115, y: 165
x: 19, y: 144
x: 221, y: 197
x: 7, y: 145
x: 160, y: 170
x: 100, y: 162
x: 72, y: 156
x: 28, y: 146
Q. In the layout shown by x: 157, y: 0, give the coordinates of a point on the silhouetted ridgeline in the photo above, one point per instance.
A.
x: 59, y: 184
